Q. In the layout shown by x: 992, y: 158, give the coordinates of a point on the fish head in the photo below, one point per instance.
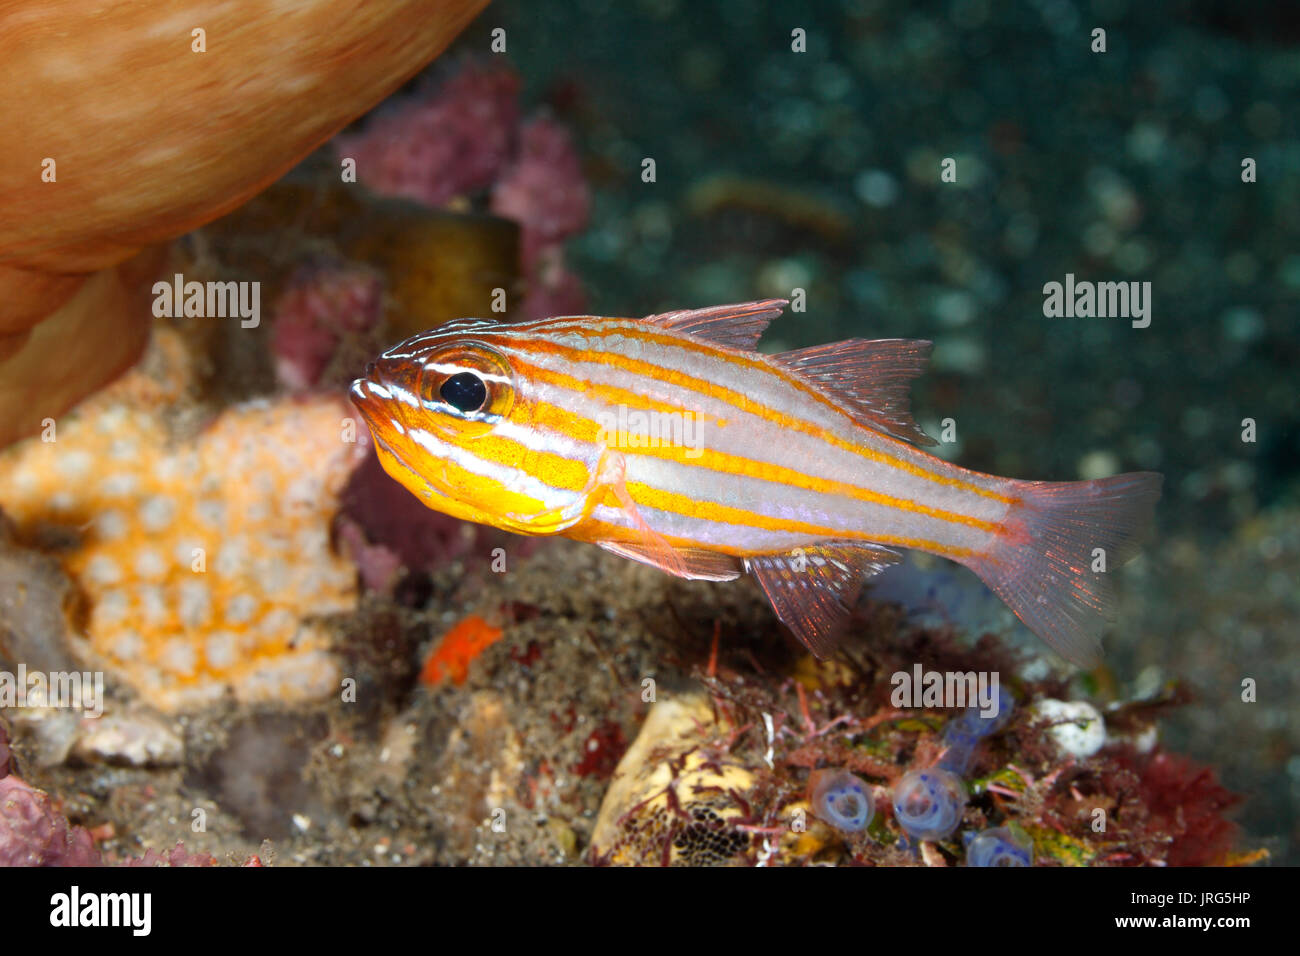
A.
x: 436, y: 405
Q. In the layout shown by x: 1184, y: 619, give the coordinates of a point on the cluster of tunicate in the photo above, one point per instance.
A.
x: 928, y: 804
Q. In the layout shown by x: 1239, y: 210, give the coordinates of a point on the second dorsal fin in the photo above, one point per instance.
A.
x: 870, y: 378
x: 735, y: 326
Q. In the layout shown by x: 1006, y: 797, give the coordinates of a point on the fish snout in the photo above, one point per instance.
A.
x: 367, y: 397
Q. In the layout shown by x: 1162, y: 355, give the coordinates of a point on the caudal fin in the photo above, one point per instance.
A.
x: 1043, y: 564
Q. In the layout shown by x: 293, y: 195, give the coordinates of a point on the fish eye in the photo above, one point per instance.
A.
x: 468, y: 386
x: 464, y: 391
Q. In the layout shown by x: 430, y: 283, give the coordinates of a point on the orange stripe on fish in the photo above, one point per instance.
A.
x: 556, y: 418
x: 637, y: 367
x: 671, y: 441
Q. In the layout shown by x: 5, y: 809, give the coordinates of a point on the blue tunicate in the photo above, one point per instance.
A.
x: 928, y: 804
x: 957, y: 758
x: 1001, y: 846
x: 965, y: 731
x: 842, y: 800
x: 972, y: 722
x: 1005, y: 705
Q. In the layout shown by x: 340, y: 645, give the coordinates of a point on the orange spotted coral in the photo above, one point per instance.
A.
x: 204, y: 561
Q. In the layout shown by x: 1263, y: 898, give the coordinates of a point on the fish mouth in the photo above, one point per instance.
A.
x: 368, y: 396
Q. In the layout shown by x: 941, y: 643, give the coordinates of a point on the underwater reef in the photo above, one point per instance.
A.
x: 654, y: 722
x: 303, y: 665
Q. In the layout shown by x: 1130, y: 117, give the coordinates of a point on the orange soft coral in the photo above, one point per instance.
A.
x: 205, y: 563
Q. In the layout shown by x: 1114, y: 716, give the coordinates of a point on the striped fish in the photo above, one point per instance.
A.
x: 669, y: 440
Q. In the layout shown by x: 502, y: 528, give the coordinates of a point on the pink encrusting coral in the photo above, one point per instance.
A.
x: 543, y: 189
x: 32, y: 830
x: 440, y: 146
x: 176, y: 856
x: 324, y: 305
x: 466, y: 138
x: 34, y: 833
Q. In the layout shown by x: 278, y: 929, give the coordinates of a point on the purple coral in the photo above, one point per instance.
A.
x: 323, y: 305
x: 443, y: 145
x: 466, y: 137
x: 32, y: 831
x: 543, y: 190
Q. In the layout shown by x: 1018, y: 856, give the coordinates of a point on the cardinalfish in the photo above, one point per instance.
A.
x: 671, y: 441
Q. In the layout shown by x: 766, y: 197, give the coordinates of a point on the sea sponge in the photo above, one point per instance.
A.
x: 434, y: 264
x: 127, y: 128
x: 671, y: 801
x: 455, y: 651
x: 204, y: 561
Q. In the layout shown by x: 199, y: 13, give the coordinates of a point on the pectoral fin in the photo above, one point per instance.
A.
x: 813, y: 590
x: 653, y: 548
x: 693, y: 564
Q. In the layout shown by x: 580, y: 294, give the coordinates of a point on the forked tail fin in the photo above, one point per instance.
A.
x: 1043, y: 564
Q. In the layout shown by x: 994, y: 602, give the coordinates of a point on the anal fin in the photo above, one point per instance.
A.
x: 813, y: 590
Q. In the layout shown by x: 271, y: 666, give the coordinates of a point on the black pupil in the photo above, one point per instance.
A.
x: 464, y: 391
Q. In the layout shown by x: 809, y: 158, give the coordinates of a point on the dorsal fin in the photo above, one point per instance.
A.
x: 869, y: 377
x: 735, y: 326
x: 813, y: 592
